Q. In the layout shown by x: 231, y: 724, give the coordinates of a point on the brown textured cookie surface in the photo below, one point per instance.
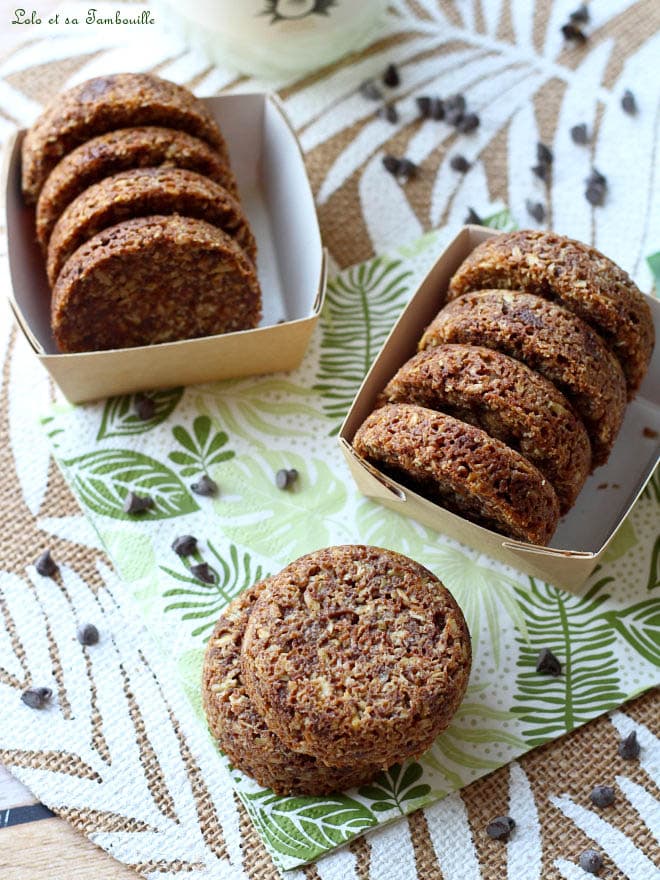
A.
x: 242, y: 733
x: 508, y: 401
x: 548, y: 339
x: 461, y: 468
x: 356, y: 654
x: 118, y: 151
x: 150, y: 280
x: 104, y: 104
x: 578, y: 277
x: 141, y: 192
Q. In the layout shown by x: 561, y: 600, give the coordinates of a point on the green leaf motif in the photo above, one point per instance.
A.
x: 120, y: 418
x: 652, y: 488
x: 654, y: 265
x: 202, y: 449
x: 201, y: 602
x: 282, y: 524
x: 654, y: 573
x: 501, y: 220
x: 581, y: 636
x: 360, y: 309
x: 104, y: 478
x: 640, y: 627
x: 391, y: 788
x: 305, y: 827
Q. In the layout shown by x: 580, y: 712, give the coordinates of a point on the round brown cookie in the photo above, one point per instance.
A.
x: 508, y: 401
x: 118, y: 151
x: 575, y: 275
x: 548, y: 339
x: 356, y: 654
x: 142, y: 192
x: 105, y: 104
x: 242, y: 733
x: 150, y: 280
x: 461, y: 468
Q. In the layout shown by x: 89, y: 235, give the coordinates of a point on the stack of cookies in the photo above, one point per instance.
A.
x: 348, y: 661
x: 138, y: 216
x: 519, y: 386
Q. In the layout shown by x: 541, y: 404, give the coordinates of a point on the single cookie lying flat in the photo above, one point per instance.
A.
x: 105, y: 104
x: 142, y: 192
x: 461, y: 468
x: 576, y: 276
x: 356, y: 654
x: 121, y: 150
x: 508, y: 401
x: 548, y: 339
x: 150, y: 280
x: 242, y: 733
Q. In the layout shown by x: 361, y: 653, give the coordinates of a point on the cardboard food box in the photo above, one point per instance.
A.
x: 585, y: 532
x: 291, y: 265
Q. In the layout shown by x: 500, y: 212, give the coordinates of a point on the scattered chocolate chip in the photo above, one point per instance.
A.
x: 596, y: 188
x: 388, y: 112
x: 184, y: 545
x: 282, y: 478
x: 456, y: 102
x: 628, y: 103
x: 616, y: 485
x: 144, y: 407
x: 500, y: 828
x: 454, y: 116
x: 597, y: 177
x: 473, y: 217
x: 591, y: 861
x: 87, y: 634
x: 602, y: 485
x: 542, y: 171
x: 579, y: 134
x: 536, y: 210
x: 424, y: 104
x: 468, y: 123
x: 650, y: 433
x: 602, y: 795
x: 573, y: 33
x: 547, y: 663
x: 46, y: 565
x: 369, y: 90
x: 203, y: 572
x: 391, y: 164
x: 205, y: 486
x: 137, y: 503
x: 437, y: 109
x: 293, y: 475
x: 459, y: 163
x: 581, y: 14
x: 544, y: 154
x: 628, y: 747
x: 36, y: 698
x: 407, y: 169
x: 391, y: 76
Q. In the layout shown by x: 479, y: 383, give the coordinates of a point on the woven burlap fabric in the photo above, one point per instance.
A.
x: 571, y: 765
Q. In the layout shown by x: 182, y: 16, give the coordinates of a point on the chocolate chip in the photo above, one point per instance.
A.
x: 536, y: 210
x: 203, y: 572
x: 579, y: 134
x: 184, y: 545
x: 542, y: 171
x: 468, y: 123
x: 424, y: 103
x: 544, y: 154
x: 46, y: 565
x: 596, y: 191
x: 547, y: 663
x: 602, y: 795
x: 573, y: 33
x: 37, y: 698
x: 407, y: 169
x: 500, y: 828
x: 134, y: 504
x: 473, y: 218
x: 597, y: 177
x: 437, y: 109
x: 628, y: 747
x: 459, y: 163
x: 369, y: 90
x: 205, y: 486
x: 293, y: 475
x: 388, y: 112
x: 87, y: 634
x: 391, y: 164
x: 591, y: 861
x: 456, y: 102
x: 581, y: 14
x: 629, y: 103
x: 391, y: 76
x: 650, y: 433
x: 454, y: 117
x: 144, y: 407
